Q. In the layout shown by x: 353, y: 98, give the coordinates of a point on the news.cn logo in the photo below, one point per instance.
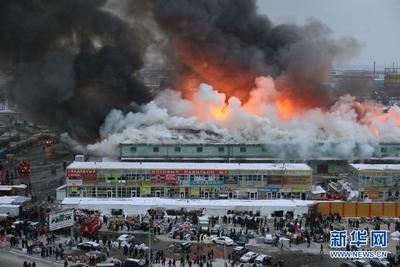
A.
x: 358, y: 239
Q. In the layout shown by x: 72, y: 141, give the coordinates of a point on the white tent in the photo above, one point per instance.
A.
x: 213, y: 207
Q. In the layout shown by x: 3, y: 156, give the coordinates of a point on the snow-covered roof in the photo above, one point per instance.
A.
x: 198, y: 203
x: 376, y: 167
x: 7, y: 187
x: 317, y: 189
x: 13, y: 199
x: 189, y: 166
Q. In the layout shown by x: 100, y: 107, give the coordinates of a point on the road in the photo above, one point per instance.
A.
x: 13, y: 259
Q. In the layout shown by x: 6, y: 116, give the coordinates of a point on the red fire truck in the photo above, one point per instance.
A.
x: 24, y: 169
x: 90, y: 225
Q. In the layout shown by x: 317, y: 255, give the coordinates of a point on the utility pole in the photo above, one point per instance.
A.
x: 149, y: 254
x: 225, y: 264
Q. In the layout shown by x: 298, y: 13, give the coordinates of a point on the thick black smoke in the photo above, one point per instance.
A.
x: 243, y: 42
x: 73, y: 62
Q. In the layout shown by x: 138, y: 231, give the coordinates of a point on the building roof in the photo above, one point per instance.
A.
x: 376, y: 167
x: 4, y: 200
x: 189, y: 166
x: 189, y: 203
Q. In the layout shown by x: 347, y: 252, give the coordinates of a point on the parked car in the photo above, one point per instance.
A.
x: 242, y: 240
x: 249, y: 257
x: 263, y: 260
x: 268, y: 239
x: 216, y: 229
x: 182, y: 247
x: 90, y: 245
x: 129, y: 262
x: 126, y: 238
x: 223, y: 240
x: 378, y: 262
x: 239, y: 251
x: 361, y: 263
x: 348, y: 264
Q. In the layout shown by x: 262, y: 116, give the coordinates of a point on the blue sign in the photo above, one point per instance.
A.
x: 206, y: 182
x: 378, y: 238
x: 263, y: 190
x: 338, y: 239
x: 359, y: 238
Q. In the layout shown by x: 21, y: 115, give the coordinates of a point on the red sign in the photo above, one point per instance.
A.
x: 170, y: 178
x: 80, y: 172
x: 218, y: 172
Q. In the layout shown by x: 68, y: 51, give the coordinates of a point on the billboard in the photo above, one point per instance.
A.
x: 61, y: 219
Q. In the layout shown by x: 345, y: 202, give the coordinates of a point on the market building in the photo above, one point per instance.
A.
x: 187, y: 180
x: 376, y: 181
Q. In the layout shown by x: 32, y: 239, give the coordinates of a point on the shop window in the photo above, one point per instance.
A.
x: 199, y: 149
x: 156, y: 149
x: 243, y: 149
x: 221, y: 149
x: 177, y: 149
x: 133, y: 149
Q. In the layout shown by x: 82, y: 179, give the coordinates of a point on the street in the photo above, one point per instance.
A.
x: 15, y: 259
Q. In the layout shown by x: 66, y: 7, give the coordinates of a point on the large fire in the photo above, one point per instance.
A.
x: 237, y: 81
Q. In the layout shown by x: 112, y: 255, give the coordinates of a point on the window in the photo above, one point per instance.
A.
x: 242, y: 149
x: 133, y: 149
x: 221, y: 149
x: 156, y: 149
x: 199, y: 149
x: 177, y: 149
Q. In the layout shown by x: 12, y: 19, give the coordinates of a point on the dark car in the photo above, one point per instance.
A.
x: 88, y: 246
x: 239, y: 251
x: 182, y: 247
x: 133, y: 263
x: 242, y: 240
x: 348, y: 264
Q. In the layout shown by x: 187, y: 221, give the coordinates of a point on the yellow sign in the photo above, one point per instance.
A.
x: 194, y: 191
x: 74, y: 189
x: 134, y: 182
x: 145, y: 190
x: 182, y: 189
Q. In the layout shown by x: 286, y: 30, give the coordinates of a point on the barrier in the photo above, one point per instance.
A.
x: 359, y: 209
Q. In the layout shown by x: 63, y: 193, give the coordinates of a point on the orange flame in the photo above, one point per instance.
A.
x: 219, y: 113
x: 286, y: 108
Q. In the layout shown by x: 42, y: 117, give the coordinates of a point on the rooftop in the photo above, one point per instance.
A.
x: 188, y: 166
x: 376, y: 167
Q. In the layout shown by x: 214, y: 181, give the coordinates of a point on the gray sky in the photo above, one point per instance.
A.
x: 374, y: 23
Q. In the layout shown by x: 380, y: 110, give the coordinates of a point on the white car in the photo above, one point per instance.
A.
x: 379, y: 262
x: 263, y: 260
x: 223, y: 240
x: 268, y: 239
x: 248, y: 257
x: 126, y: 238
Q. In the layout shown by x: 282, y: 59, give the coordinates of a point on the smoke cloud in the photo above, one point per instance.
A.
x: 228, y: 44
x: 169, y: 118
x: 236, y: 77
x: 73, y: 62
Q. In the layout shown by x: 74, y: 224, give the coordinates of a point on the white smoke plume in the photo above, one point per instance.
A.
x: 347, y: 130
